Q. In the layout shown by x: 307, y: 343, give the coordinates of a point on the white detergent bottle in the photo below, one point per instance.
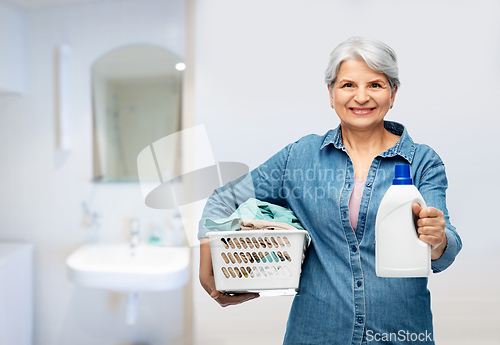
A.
x: 398, y: 250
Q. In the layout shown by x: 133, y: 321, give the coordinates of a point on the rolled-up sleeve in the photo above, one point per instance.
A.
x: 264, y: 183
x: 433, y: 186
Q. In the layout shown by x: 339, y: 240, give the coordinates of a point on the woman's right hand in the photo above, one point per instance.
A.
x: 207, y: 280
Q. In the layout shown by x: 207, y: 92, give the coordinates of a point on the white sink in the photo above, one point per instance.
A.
x: 112, y: 266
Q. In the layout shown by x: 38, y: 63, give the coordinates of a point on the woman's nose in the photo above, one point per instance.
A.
x: 361, y: 96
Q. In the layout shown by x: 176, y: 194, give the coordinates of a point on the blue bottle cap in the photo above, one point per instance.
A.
x: 402, y: 175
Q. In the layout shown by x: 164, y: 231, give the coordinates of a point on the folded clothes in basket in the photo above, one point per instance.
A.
x: 259, y: 224
x: 256, y: 214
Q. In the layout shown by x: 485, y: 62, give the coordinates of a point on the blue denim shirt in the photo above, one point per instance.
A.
x: 341, y: 300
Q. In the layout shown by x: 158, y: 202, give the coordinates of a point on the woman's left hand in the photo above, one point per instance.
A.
x: 430, y: 227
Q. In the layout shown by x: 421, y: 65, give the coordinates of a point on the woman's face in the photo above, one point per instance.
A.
x: 360, y: 96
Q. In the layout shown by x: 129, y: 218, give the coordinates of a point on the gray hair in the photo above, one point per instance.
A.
x: 377, y: 55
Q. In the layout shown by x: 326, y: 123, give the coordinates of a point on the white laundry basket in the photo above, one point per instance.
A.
x: 257, y: 260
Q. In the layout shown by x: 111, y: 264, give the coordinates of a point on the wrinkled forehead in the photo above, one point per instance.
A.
x: 358, y: 70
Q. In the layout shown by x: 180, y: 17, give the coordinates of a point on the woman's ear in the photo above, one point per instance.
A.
x: 330, y: 91
x: 393, y: 95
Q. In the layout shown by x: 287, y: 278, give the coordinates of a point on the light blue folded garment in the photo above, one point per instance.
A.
x: 254, y: 209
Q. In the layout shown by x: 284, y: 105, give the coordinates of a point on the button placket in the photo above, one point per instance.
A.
x: 363, y: 209
x: 354, y: 255
x: 359, y: 296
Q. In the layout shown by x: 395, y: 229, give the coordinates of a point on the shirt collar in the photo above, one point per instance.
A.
x: 405, y: 146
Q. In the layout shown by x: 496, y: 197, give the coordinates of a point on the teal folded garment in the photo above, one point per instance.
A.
x: 254, y: 209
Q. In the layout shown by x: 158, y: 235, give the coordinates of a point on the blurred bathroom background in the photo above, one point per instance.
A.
x: 254, y: 78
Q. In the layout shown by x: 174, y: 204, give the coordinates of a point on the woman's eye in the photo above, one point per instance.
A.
x: 375, y: 85
x: 347, y: 85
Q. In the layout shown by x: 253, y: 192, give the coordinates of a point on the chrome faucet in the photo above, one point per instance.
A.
x: 134, y: 234
x: 92, y: 222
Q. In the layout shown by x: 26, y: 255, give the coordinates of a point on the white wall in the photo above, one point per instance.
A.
x: 13, y: 48
x: 259, y: 85
x: 42, y: 189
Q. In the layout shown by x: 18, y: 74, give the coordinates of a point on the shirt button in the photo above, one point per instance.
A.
x: 369, y: 184
x: 359, y: 283
x: 354, y: 249
x: 360, y: 319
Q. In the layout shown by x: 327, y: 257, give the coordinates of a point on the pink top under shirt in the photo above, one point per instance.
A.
x: 355, y: 201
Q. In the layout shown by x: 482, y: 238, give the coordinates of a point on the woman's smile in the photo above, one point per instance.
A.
x: 361, y: 111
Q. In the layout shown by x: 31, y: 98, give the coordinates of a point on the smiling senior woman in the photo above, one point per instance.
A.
x: 341, y: 300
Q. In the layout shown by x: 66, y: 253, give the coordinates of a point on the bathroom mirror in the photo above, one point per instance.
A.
x: 137, y: 93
